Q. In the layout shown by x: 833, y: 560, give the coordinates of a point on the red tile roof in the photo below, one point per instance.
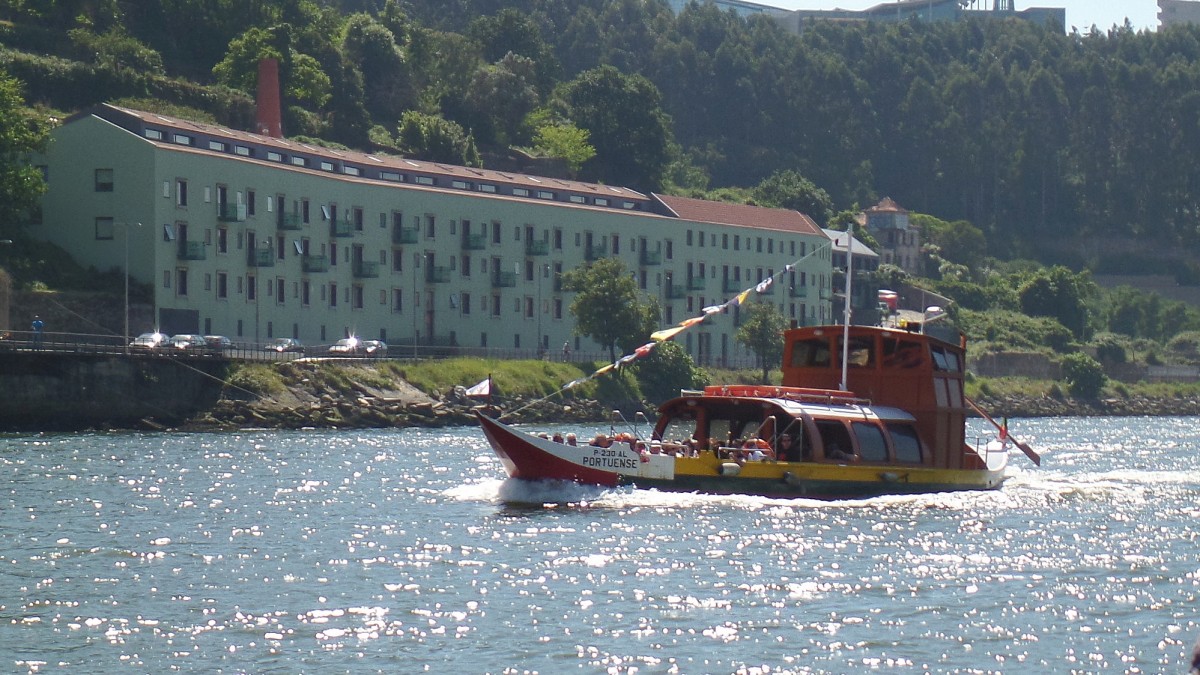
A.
x: 886, y: 205
x: 725, y: 213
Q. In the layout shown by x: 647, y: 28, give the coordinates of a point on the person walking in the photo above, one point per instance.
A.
x: 566, y: 350
x: 37, y: 331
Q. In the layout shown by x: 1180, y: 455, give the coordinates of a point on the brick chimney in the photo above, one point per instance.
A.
x: 269, y: 118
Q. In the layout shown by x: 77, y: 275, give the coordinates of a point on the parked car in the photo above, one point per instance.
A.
x: 344, y: 347
x: 374, y: 348
x: 284, y: 344
x: 187, y: 343
x: 148, y: 342
x: 217, y: 344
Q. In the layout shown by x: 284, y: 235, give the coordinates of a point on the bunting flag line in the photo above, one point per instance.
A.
x: 660, y: 336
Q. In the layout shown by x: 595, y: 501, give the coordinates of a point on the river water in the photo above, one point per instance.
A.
x: 406, y: 550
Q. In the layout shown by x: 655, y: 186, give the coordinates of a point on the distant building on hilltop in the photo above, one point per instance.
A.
x: 899, y: 240
x: 899, y: 11
x: 1174, y: 12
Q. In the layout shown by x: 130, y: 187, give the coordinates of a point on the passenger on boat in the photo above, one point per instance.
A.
x: 572, y: 440
x: 757, y: 449
x: 557, y: 438
x: 789, y: 450
x: 834, y: 451
x: 602, y: 440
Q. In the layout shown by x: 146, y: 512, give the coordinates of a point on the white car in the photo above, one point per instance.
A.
x: 344, y: 347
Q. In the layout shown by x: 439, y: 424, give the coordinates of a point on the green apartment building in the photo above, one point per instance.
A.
x: 255, y: 237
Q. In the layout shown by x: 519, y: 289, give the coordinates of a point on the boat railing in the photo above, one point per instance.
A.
x: 639, y: 418
x: 798, y: 394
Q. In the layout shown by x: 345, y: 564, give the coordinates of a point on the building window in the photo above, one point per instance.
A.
x: 181, y: 139
x: 601, y: 201
x: 390, y: 176
x: 484, y: 187
x: 326, y: 166
x: 104, y: 228
x: 577, y: 199
x: 430, y: 226
x: 242, y: 150
x: 358, y: 297
x: 495, y: 305
x: 304, y: 211
x: 397, y: 299
x: 222, y: 286
x: 251, y: 287
x: 181, y: 193
x: 274, y: 156
x: 181, y: 282
x: 104, y: 180
x: 216, y: 145
x: 333, y: 295
x: 357, y: 214
x: 299, y: 161
x: 460, y: 184
x: 153, y: 134
x: 424, y: 180
x: 520, y: 192
x: 465, y: 300
x: 222, y: 240
x: 250, y: 208
x: 545, y: 194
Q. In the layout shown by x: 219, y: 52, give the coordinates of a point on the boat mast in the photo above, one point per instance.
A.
x: 846, y: 315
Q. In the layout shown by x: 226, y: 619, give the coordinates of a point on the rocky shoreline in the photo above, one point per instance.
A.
x: 404, y: 406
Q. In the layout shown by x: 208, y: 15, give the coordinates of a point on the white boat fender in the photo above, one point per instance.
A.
x: 730, y: 468
x: 890, y: 477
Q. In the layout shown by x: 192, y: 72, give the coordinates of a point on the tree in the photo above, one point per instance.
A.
x: 762, y: 333
x: 386, y: 76
x: 1084, y: 375
x: 499, y: 99
x: 435, y: 139
x: 21, y: 135
x: 1060, y: 294
x: 790, y: 190
x: 301, y: 76
x: 565, y: 141
x: 608, y: 306
x: 668, y: 369
x: 627, y: 126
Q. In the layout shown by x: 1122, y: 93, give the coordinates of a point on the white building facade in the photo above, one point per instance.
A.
x: 256, y: 237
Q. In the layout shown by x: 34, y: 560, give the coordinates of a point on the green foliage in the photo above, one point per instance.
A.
x: 21, y: 134
x: 1109, y: 349
x: 1083, y: 374
x: 436, y: 139
x: 666, y: 370
x: 1184, y: 348
x: 626, y: 124
x: 565, y: 141
x: 301, y: 76
x: 608, y: 306
x: 529, y: 379
x: 790, y: 190
x: 1060, y: 294
x: 116, y: 49
x: 762, y: 333
x: 257, y: 378
x: 1001, y: 330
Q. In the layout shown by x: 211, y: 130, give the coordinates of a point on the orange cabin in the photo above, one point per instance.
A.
x: 914, y: 372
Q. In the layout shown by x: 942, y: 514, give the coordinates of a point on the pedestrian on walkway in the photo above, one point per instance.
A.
x: 37, y: 331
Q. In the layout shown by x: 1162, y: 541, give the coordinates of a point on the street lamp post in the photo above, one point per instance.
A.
x: 126, y: 226
x: 541, y: 344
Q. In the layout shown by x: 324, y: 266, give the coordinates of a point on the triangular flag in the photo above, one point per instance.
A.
x: 667, y: 333
x: 741, y: 297
x: 645, y: 349
x: 484, y: 388
x: 764, y: 285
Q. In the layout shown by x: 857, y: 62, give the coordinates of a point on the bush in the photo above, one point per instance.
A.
x: 666, y: 370
x: 1084, y: 375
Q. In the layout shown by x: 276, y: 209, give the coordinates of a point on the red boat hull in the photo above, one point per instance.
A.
x: 523, y: 458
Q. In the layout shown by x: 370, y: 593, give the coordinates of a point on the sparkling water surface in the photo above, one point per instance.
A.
x: 407, y: 550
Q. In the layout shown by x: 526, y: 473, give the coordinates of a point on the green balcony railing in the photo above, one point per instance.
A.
x: 651, y: 257
x: 474, y: 242
x: 314, y: 263
x: 798, y: 292
x: 697, y: 283
x: 675, y: 291
x: 192, y: 250
x: 504, y: 280
x: 731, y: 286
x: 537, y: 247
x: 261, y: 257
x: 290, y: 221
x: 596, y: 252
x: 231, y: 213
x: 365, y: 269
x: 341, y: 227
x: 437, y: 275
x: 404, y: 235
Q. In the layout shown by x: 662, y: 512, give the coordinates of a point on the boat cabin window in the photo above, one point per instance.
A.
x: 679, y: 428
x: 861, y: 353
x: 903, y: 354
x: 871, y: 445
x: 946, y: 360
x: 812, y: 353
x: 835, y: 439
x: 906, y: 442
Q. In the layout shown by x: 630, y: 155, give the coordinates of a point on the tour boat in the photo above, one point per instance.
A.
x: 863, y: 411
